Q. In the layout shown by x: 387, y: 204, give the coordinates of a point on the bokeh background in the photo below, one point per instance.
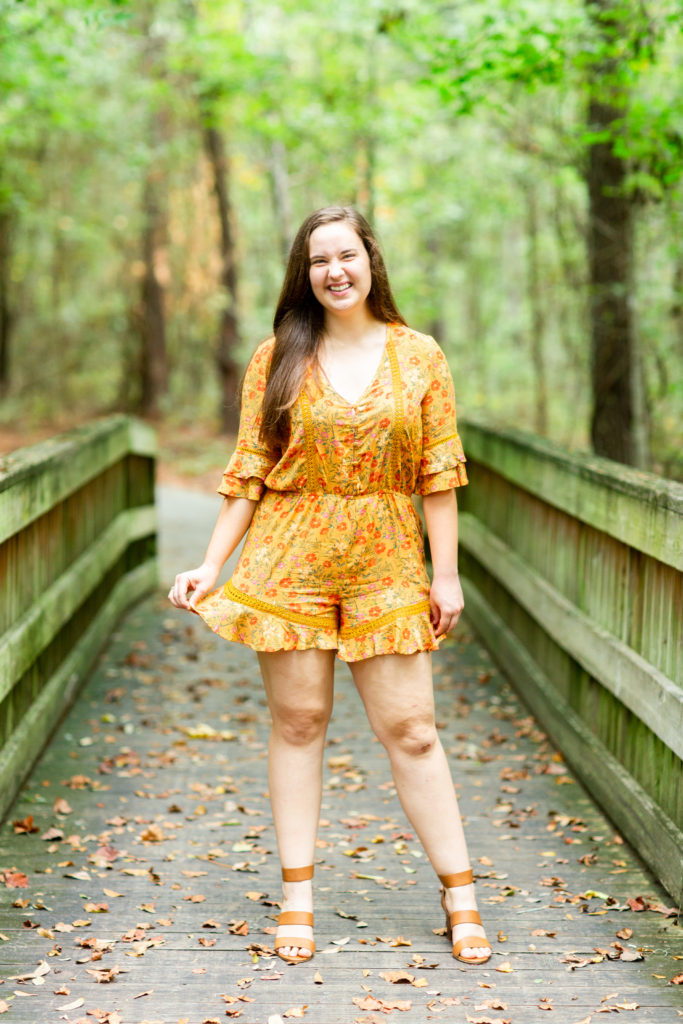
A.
x: 157, y: 156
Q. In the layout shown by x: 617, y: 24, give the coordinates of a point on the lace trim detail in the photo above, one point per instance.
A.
x: 384, y: 620
x: 273, y: 609
x: 244, y: 449
x: 309, y: 440
x: 399, y: 416
x: 441, y: 440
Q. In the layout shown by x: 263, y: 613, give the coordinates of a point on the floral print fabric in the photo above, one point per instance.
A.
x: 334, y: 556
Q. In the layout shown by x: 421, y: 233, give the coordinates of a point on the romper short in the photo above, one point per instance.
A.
x: 334, y: 557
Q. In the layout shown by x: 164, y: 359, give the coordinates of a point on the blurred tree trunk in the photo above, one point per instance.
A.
x: 228, y: 331
x: 537, y: 314
x: 279, y: 179
x: 152, y: 320
x: 6, y: 318
x: 610, y: 252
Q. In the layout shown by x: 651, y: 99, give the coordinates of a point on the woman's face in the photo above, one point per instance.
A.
x: 339, y: 271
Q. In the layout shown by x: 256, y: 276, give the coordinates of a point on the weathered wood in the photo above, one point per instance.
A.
x: 35, y: 479
x: 646, y: 691
x: 639, y: 509
x: 579, y: 558
x: 499, y: 760
x: 28, y: 739
x: 77, y: 541
x: 46, y: 616
x: 652, y: 833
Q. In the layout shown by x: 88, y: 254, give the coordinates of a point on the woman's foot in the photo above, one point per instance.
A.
x: 463, y: 924
x: 296, y: 920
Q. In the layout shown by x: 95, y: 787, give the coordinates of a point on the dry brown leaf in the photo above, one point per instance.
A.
x: 296, y: 1011
x: 72, y: 1006
x: 14, y: 879
x: 491, y: 1004
x: 237, y: 927
x: 398, y: 977
x: 61, y: 806
x: 488, y: 1020
x: 505, y: 968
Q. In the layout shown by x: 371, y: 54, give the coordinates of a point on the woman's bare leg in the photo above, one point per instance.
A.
x: 398, y: 695
x: 300, y: 691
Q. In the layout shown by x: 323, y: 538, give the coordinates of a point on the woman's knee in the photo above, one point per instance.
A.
x: 412, y: 736
x: 301, y: 726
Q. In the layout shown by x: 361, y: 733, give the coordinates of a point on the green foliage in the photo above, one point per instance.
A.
x: 446, y: 124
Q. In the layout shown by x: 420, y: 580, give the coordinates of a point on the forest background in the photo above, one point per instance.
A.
x: 521, y: 161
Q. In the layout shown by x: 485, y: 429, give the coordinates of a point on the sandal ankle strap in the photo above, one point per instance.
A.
x: 457, y: 879
x: 298, y: 874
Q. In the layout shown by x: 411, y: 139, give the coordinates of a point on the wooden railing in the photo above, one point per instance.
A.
x: 572, y: 575
x: 77, y: 546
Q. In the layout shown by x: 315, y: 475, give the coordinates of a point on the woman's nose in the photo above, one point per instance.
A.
x: 335, y: 269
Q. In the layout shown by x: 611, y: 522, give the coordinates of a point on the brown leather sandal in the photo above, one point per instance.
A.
x: 295, y: 917
x: 456, y: 917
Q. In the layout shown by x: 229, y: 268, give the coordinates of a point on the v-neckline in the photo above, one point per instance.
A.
x: 380, y: 364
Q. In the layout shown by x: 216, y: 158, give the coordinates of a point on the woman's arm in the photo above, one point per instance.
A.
x: 232, y: 524
x: 445, y: 596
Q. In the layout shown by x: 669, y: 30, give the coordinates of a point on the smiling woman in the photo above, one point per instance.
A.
x: 346, y: 413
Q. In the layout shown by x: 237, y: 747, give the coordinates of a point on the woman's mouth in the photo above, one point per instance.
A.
x: 339, y: 289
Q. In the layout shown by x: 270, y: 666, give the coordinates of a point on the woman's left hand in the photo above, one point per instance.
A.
x: 447, y: 602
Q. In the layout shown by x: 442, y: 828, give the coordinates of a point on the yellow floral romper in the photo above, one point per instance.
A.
x: 334, y: 557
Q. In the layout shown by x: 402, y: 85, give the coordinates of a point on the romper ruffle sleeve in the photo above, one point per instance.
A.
x: 251, y: 461
x: 442, y: 464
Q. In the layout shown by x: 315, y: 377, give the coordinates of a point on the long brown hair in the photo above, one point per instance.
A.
x: 299, y: 318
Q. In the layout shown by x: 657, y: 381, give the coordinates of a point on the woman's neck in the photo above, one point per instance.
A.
x: 354, y: 329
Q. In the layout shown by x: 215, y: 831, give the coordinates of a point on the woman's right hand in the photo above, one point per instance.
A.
x: 191, y: 586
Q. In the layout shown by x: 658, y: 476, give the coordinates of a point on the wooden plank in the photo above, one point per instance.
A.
x: 27, y: 741
x: 646, y: 691
x: 640, y: 509
x: 35, y: 479
x: 132, y: 716
x: 656, y: 838
x: 22, y: 644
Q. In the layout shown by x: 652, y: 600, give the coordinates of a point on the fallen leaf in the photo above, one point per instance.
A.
x: 398, y: 977
x: 25, y: 826
x: 72, y: 1006
x: 296, y: 1011
x: 14, y: 879
x: 61, y: 806
x: 488, y: 1020
x: 505, y: 968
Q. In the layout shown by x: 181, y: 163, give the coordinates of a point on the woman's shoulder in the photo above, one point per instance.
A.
x: 265, y: 349
x: 260, y: 359
x: 414, y: 342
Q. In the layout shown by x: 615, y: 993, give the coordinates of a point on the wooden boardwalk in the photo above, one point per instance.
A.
x: 141, y: 879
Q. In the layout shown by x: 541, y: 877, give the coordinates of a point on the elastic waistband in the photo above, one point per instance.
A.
x: 342, y: 494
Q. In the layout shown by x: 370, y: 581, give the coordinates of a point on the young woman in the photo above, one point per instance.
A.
x: 346, y: 413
